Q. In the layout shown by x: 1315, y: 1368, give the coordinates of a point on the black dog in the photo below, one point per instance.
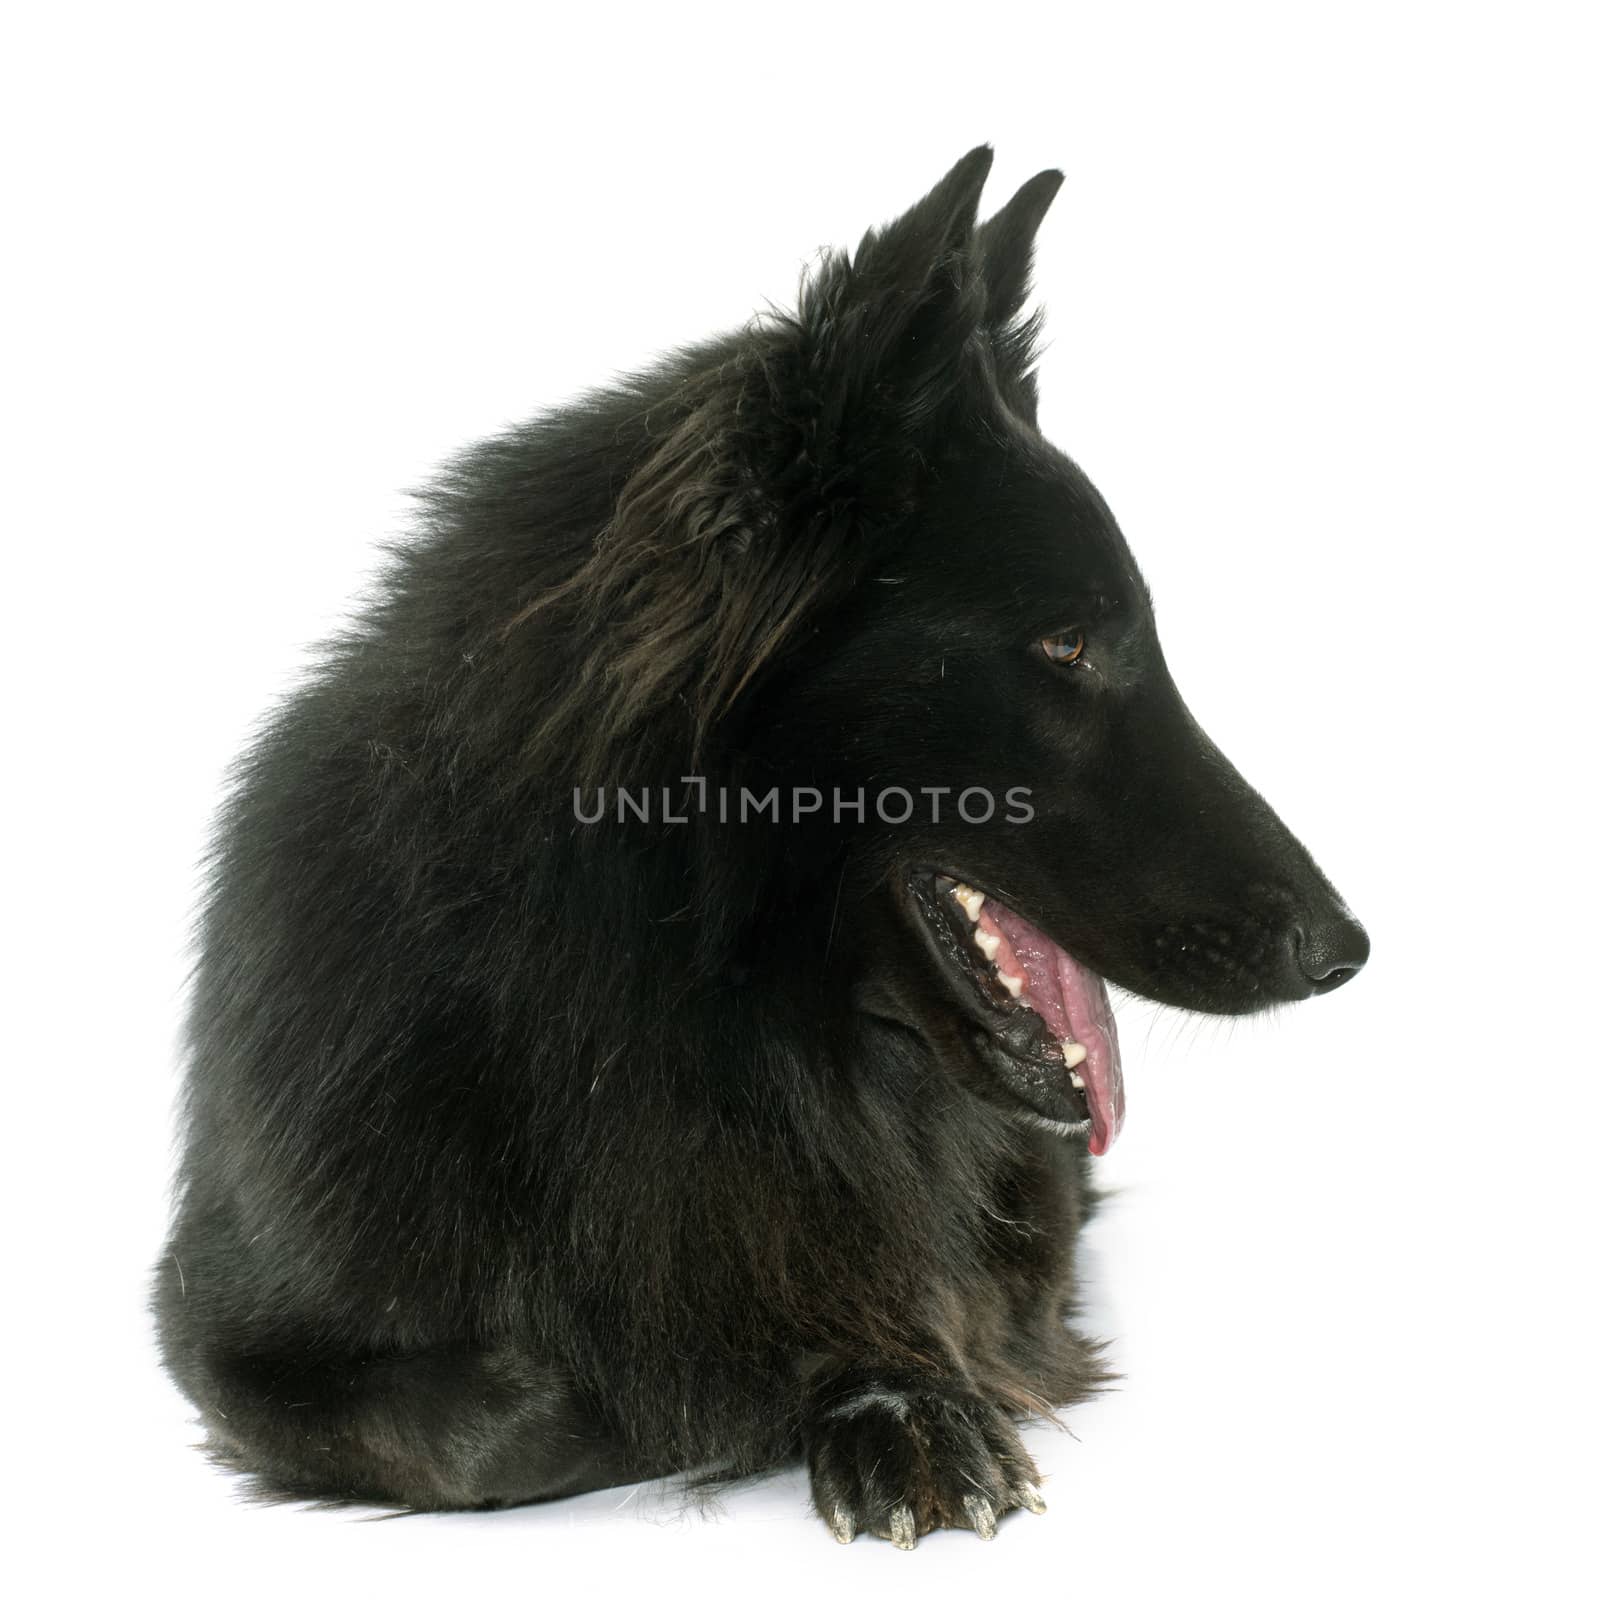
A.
x: 634, y: 1026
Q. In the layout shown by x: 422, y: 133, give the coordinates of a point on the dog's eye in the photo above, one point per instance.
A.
x: 1063, y: 648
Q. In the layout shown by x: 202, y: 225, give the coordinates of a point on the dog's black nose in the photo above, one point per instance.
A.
x: 1331, y: 952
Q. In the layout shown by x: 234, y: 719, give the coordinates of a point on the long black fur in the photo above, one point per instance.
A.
x: 525, y: 1155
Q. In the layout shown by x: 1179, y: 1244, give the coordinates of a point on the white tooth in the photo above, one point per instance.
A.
x: 986, y: 942
x: 1013, y: 985
x: 1074, y: 1054
x: 1075, y: 1080
x: 970, y: 901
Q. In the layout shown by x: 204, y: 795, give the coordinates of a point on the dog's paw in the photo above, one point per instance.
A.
x: 899, y: 1462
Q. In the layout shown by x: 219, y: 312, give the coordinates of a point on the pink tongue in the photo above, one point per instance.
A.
x: 1074, y: 1005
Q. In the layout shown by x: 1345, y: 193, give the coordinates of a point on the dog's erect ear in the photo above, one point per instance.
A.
x: 940, y: 224
x: 874, y: 348
x: 1005, y: 246
x: 1004, y: 251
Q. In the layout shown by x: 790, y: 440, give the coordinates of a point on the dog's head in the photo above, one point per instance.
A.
x: 854, y: 565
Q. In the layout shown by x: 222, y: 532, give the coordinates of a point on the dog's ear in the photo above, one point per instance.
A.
x: 872, y: 353
x: 903, y: 254
x: 1005, y: 246
x: 1004, y: 251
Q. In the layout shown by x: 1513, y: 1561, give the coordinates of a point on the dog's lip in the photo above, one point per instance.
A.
x: 979, y: 996
x: 1068, y: 1007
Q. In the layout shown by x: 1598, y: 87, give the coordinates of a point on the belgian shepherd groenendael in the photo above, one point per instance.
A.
x: 649, y: 1011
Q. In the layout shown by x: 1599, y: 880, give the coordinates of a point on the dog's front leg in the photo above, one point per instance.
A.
x: 899, y: 1454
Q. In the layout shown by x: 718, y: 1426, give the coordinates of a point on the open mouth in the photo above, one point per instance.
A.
x: 1045, y: 1018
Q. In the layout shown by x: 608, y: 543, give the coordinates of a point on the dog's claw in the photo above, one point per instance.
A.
x: 980, y: 1513
x: 1030, y: 1497
x: 902, y: 1528
x: 896, y: 1462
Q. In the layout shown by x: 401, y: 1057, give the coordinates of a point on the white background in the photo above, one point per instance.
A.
x: 1322, y: 288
